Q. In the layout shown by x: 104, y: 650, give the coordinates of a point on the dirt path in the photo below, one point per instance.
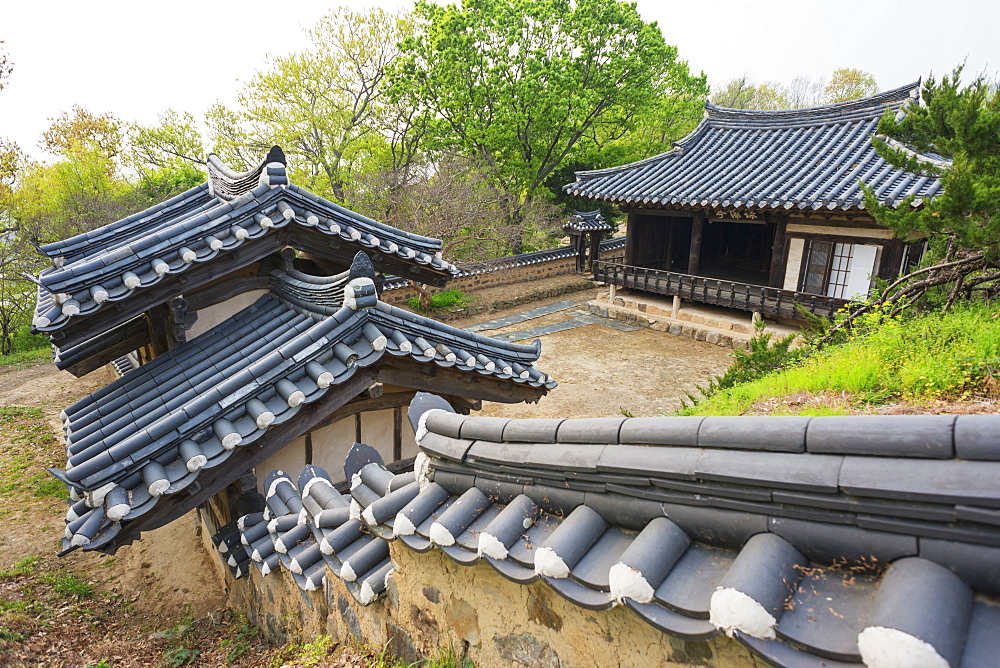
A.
x: 147, y: 583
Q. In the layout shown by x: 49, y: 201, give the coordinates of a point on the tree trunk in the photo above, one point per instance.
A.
x: 423, y: 294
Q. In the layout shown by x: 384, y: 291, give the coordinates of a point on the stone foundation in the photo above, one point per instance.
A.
x: 691, y: 323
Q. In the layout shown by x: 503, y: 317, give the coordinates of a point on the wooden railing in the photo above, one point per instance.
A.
x: 744, y: 296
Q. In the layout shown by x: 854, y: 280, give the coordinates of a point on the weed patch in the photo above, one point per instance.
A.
x: 932, y: 356
x: 23, y: 567
x: 28, y: 446
x: 69, y: 584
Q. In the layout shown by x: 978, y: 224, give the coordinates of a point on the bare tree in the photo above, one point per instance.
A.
x: 454, y: 199
x: 804, y: 91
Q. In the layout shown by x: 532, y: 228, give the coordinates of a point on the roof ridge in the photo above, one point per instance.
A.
x: 871, y: 103
x: 227, y: 184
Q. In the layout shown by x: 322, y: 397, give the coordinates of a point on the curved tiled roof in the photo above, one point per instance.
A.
x: 116, y: 262
x: 815, y: 541
x: 798, y: 159
x: 153, y: 431
x: 590, y: 221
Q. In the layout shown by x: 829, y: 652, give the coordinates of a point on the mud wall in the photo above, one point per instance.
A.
x: 328, y: 446
x: 434, y: 603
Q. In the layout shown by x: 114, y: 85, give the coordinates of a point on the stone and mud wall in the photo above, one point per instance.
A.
x: 432, y: 603
x: 509, y: 271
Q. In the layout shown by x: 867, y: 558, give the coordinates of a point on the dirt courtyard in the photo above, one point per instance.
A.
x: 602, y: 371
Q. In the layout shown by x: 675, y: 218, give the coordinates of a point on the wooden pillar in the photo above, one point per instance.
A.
x: 631, y: 239
x: 777, y: 274
x: 397, y: 434
x: 158, y: 342
x: 595, y: 249
x: 581, y: 251
x: 694, y: 257
x: 668, y: 260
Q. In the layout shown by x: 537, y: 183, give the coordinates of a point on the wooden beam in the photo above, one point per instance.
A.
x: 80, y: 329
x: 680, y: 213
x: 243, y: 459
x: 364, y: 404
x: 448, y: 381
x: 839, y: 239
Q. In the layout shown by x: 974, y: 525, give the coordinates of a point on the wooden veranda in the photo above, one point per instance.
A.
x: 774, y: 302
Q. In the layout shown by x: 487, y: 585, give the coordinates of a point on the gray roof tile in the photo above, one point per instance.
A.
x: 809, y: 159
x: 884, y: 435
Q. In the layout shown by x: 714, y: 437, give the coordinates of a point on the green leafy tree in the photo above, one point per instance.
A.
x: 848, y: 83
x: 521, y: 85
x: 80, y: 129
x: 742, y: 93
x: 953, y: 134
x: 326, y: 105
x: 175, y: 141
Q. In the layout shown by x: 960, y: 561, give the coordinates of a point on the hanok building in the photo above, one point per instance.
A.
x: 763, y: 210
x: 252, y: 311
x: 289, y: 414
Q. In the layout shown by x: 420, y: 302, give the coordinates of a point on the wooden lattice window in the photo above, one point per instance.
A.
x: 840, y: 269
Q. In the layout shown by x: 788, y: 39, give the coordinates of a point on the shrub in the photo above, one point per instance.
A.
x: 445, y: 300
x: 761, y: 358
x: 951, y: 355
x: 23, y: 340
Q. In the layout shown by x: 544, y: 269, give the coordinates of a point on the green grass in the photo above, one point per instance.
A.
x: 69, y: 585
x: 28, y: 446
x: 27, y: 357
x: 444, y: 301
x: 955, y: 355
x: 25, y: 566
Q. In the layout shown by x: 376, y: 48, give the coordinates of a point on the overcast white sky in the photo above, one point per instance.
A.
x: 136, y: 60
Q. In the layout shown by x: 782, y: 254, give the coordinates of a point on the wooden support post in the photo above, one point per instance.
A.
x: 397, y: 434
x: 675, y: 307
x: 595, y: 249
x: 694, y: 257
x: 777, y: 274
x: 611, y: 292
x: 631, y: 239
